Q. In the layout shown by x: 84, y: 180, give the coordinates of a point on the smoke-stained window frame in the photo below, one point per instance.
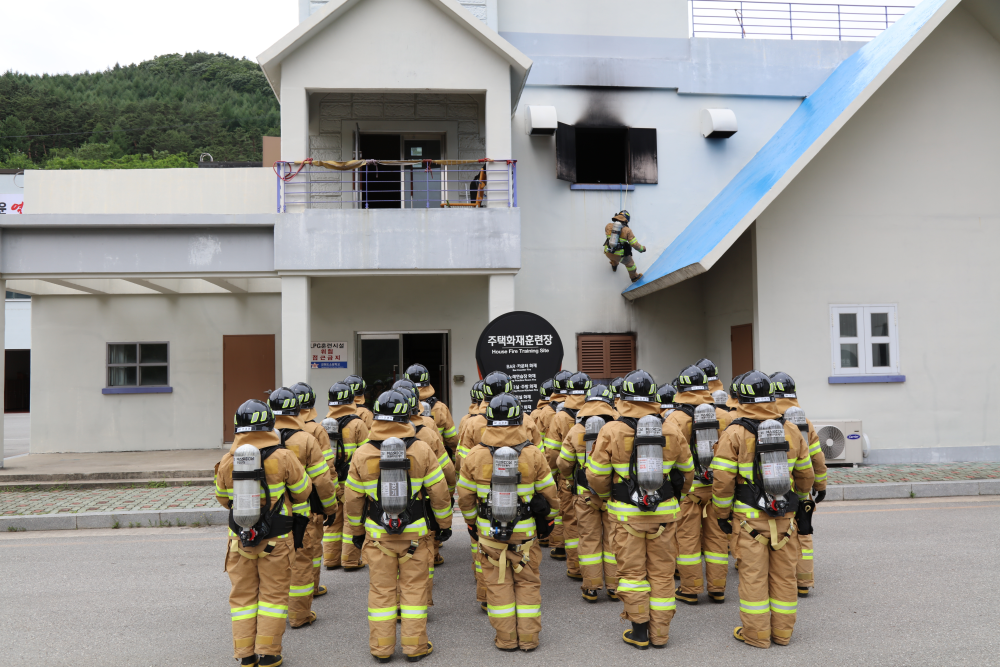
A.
x: 641, y: 153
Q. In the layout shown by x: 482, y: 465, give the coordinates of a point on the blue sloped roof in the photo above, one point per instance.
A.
x: 753, y: 185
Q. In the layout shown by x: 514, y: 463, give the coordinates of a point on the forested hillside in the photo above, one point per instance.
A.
x: 163, y: 112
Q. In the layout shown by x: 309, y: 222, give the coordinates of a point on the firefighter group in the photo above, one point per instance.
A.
x: 631, y: 483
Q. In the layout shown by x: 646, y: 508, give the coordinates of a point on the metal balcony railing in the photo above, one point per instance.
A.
x: 792, y: 20
x: 364, y: 184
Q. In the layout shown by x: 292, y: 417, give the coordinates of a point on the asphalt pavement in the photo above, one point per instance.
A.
x: 908, y: 582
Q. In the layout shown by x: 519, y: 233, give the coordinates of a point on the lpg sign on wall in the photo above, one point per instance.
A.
x: 11, y: 204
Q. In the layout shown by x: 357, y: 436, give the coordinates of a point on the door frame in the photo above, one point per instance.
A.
x: 372, y: 335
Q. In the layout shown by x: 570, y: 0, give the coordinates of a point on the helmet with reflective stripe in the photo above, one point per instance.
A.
x: 639, y: 386
x: 600, y: 392
x: 254, y: 415
x: 560, y: 380
x: 784, y: 385
x: 667, y: 394
x: 283, y: 401
x: 497, y: 383
x: 307, y: 397
x: 357, y: 384
x: 692, y: 378
x: 616, y: 385
x: 578, y: 383
x: 622, y: 217
x: 504, y: 410
x: 756, y: 387
x: 734, y: 388
x: 340, y: 394
x: 406, y: 388
x: 709, y: 367
x: 418, y: 375
x: 477, y: 390
x: 546, y: 389
x: 392, y: 406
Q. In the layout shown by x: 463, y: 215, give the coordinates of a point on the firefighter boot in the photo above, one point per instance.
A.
x: 270, y: 661
x: 559, y: 553
x: 638, y: 636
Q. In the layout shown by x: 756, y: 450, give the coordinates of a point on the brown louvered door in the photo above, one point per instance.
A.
x: 605, y: 356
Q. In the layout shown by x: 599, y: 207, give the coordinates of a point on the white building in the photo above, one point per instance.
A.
x: 859, y: 188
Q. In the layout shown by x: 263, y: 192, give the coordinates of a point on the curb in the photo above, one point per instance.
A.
x: 9, y: 478
x: 971, y: 487
x: 159, y: 483
x: 139, y: 519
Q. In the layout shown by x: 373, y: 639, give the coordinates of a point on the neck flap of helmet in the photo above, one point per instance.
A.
x: 259, y: 439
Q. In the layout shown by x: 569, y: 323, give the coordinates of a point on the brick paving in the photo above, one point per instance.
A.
x: 54, y: 501
x: 920, y: 472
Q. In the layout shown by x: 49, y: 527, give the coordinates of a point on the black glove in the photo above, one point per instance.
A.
x: 330, y: 518
x: 820, y: 495
x: 544, y: 526
x: 472, y: 531
x: 725, y: 525
x: 358, y: 540
x: 539, y: 505
x: 443, y: 535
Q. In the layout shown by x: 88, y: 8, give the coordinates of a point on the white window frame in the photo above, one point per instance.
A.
x: 864, y: 339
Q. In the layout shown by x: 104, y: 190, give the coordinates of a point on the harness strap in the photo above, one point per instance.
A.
x: 392, y: 554
x: 645, y: 535
x: 234, y: 545
x: 774, y: 542
x: 503, y: 548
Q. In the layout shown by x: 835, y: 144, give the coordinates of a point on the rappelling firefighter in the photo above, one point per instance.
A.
x: 620, y: 242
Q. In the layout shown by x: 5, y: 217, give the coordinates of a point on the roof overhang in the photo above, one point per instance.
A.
x: 794, y: 145
x: 271, y: 59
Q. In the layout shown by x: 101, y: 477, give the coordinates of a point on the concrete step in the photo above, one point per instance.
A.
x: 216, y: 516
x: 98, y: 483
x: 10, y: 478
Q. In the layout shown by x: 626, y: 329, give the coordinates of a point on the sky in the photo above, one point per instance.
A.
x: 69, y: 36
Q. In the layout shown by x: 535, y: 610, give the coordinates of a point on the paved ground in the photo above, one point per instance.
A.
x: 894, y: 589
x: 920, y: 472
x: 174, y: 463
x: 16, y: 428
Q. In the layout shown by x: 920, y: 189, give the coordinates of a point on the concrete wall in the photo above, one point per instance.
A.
x: 69, y: 336
x: 251, y: 190
x: 389, y: 37
x: 902, y: 206
x: 727, y: 297
x: 343, y: 306
x: 622, y: 18
x: 17, y: 324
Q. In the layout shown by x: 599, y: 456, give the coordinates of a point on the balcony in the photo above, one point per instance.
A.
x: 396, y: 184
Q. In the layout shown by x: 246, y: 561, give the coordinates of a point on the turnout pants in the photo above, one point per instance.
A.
x: 477, y: 572
x: 646, y: 559
x: 556, y: 537
x: 768, y: 594
x: 700, y: 538
x: 513, y: 591
x: 597, y: 554
x: 305, y: 572
x: 619, y: 259
x: 390, y: 561
x: 804, y: 566
x: 333, y: 535
x: 258, y: 599
x: 571, y: 534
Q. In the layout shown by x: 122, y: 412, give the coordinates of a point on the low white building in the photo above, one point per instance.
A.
x: 842, y: 234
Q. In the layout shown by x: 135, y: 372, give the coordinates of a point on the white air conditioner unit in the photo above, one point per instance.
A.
x: 841, y: 439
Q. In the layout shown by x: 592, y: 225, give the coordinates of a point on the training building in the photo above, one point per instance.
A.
x: 822, y: 207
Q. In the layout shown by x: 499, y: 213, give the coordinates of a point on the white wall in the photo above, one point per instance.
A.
x: 17, y: 324
x: 249, y: 190
x: 903, y: 207
x: 622, y: 18
x: 69, y: 335
x: 727, y: 295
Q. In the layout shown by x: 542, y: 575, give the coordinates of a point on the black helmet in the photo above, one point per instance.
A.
x: 546, y: 389
x: 709, y: 367
x: 409, y: 392
x: 504, y: 410
x: 667, y: 393
x: 307, y: 397
x: 578, y: 383
x: 357, y: 384
x: 418, y: 375
x: 340, y: 394
x: 409, y: 384
x: 756, y: 387
x: 283, y: 401
x: 784, y: 385
x: 734, y: 388
x: 622, y: 216
x: 254, y: 415
x: 497, y: 383
x: 477, y: 391
x: 600, y: 392
x: 392, y: 406
x: 639, y: 386
x: 692, y: 378
x: 616, y: 385
x: 559, y: 381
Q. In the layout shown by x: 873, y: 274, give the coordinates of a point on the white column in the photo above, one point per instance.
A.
x: 501, y: 294
x: 296, y: 334
x: 3, y: 359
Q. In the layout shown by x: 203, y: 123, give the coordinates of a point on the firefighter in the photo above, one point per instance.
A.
x: 542, y: 414
x: 699, y: 537
x: 385, y: 507
x: 478, y: 408
x: 756, y: 462
x: 474, y: 409
x: 358, y: 386
x: 346, y: 432
x: 620, y: 242
x: 551, y: 448
x: 445, y: 425
x: 596, y: 552
x: 258, y: 480
x: 507, y: 496
x: 633, y: 464
x: 786, y: 397
x: 666, y: 397
x: 711, y: 372
x: 616, y: 389
x: 575, y: 387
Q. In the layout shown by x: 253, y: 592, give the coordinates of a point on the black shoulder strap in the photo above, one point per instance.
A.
x: 286, y: 433
x: 267, y: 451
x: 571, y: 412
x: 432, y: 401
x: 418, y: 427
x: 686, y: 408
x: 748, y: 424
x: 631, y: 422
x: 345, y: 420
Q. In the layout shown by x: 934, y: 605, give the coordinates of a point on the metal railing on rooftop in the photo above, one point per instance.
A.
x: 750, y: 19
x: 364, y: 184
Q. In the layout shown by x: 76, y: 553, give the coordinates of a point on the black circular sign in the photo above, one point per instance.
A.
x: 526, y: 347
